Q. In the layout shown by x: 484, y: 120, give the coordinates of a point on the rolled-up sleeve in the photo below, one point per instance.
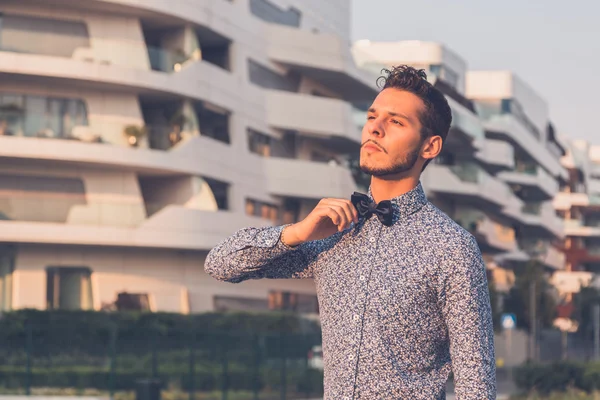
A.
x: 255, y: 253
x: 465, y: 303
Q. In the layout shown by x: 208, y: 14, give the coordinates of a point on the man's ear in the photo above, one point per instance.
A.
x: 432, y: 147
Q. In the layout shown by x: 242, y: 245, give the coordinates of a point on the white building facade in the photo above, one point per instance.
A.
x: 134, y: 136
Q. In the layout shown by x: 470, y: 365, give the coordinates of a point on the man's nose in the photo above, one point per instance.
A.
x: 376, y: 129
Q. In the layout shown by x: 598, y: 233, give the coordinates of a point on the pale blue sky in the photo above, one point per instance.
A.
x: 553, y: 45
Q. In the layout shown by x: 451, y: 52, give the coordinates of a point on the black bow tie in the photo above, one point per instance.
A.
x: 366, y: 208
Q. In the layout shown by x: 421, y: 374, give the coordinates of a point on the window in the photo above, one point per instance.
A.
x: 39, y: 116
x: 132, y: 302
x: 291, y: 211
x: 268, y: 79
x: 295, y: 302
x: 262, y: 210
x: 213, y: 122
x: 36, y: 35
x: 269, y: 12
x: 7, y: 260
x: 68, y: 288
x: 224, y: 303
x: 259, y: 143
x: 220, y: 191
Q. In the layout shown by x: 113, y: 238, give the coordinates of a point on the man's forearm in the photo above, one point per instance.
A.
x: 255, y: 253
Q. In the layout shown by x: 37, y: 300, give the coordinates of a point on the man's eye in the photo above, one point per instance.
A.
x: 395, y: 121
x: 370, y: 117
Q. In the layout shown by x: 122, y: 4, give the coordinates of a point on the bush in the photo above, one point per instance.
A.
x: 78, y: 348
x: 557, y: 377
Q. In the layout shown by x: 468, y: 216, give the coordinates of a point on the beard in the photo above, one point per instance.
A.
x: 398, y: 167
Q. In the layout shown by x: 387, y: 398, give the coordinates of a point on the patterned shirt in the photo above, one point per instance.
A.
x: 400, y: 306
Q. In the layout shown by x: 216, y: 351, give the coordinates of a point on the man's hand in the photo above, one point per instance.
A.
x: 328, y: 217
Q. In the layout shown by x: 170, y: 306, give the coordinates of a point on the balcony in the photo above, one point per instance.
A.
x: 196, y: 156
x: 316, y: 116
x: 577, y: 228
x: 554, y: 259
x: 541, y: 219
x: 466, y: 127
x: 538, y: 185
x: 174, y: 227
x: 497, y: 155
x: 570, y: 281
x: 509, y: 127
x: 324, y: 58
x: 564, y: 201
x: 211, y: 83
x: 491, y: 236
x: 469, y: 182
x: 307, y: 179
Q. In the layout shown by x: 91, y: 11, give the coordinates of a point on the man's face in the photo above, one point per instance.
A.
x: 391, y: 137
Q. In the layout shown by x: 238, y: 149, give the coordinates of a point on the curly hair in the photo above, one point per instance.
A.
x: 436, y: 117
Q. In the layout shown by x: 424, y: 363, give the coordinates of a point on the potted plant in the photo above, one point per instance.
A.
x: 134, y: 133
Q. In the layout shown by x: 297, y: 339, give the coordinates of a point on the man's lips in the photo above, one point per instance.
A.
x: 371, y: 147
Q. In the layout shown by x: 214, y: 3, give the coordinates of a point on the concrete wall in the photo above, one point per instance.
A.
x: 114, y: 39
x: 168, y: 277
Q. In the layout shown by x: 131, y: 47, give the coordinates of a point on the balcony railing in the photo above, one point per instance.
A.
x: 160, y: 59
x: 103, y: 130
x: 166, y: 60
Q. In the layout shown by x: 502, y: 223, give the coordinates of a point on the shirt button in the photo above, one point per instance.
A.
x: 356, y: 317
x: 351, y: 357
x: 372, y: 239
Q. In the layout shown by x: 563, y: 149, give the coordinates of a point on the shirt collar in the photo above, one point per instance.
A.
x: 407, y: 203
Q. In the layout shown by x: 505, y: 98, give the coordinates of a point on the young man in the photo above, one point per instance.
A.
x: 402, y: 289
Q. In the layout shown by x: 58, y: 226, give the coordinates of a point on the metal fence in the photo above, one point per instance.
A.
x: 190, y: 365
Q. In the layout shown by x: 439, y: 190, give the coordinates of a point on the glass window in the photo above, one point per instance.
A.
x: 69, y: 288
x: 295, y: 302
x: 37, y: 35
x: 213, y: 122
x: 39, y: 116
x: 259, y: 143
x: 262, y: 210
x: 225, y: 303
x: 221, y: 192
x: 7, y: 259
x: 269, y: 12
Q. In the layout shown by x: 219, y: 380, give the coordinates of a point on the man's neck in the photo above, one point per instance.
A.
x: 387, y: 189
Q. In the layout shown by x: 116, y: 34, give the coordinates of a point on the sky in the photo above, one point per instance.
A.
x: 552, y: 45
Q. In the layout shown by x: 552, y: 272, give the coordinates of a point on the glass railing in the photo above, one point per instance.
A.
x: 524, y: 168
x: 466, y: 121
x: 16, y: 122
x: 532, y: 209
x: 161, y: 59
x: 63, y: 200
x: 165, y: 60
x: 46, y: 126
x: 467, y: 172
x: 573, y: 223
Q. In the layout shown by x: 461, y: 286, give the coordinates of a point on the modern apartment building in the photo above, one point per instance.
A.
x: 499, y: 168
x: 134, y: 136
x: 579, y: 204
x: 514, y: 114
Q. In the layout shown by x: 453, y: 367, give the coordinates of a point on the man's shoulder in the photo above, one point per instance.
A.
x: 446, y: 233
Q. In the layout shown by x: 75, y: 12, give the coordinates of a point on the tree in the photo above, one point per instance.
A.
x: 583, y: 303
x: 495, y: 301
x: 518, y: 300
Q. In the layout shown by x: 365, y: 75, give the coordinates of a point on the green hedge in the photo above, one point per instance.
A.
x: 206, y: 379
x: 558, y: 377
x: 77, y: 348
